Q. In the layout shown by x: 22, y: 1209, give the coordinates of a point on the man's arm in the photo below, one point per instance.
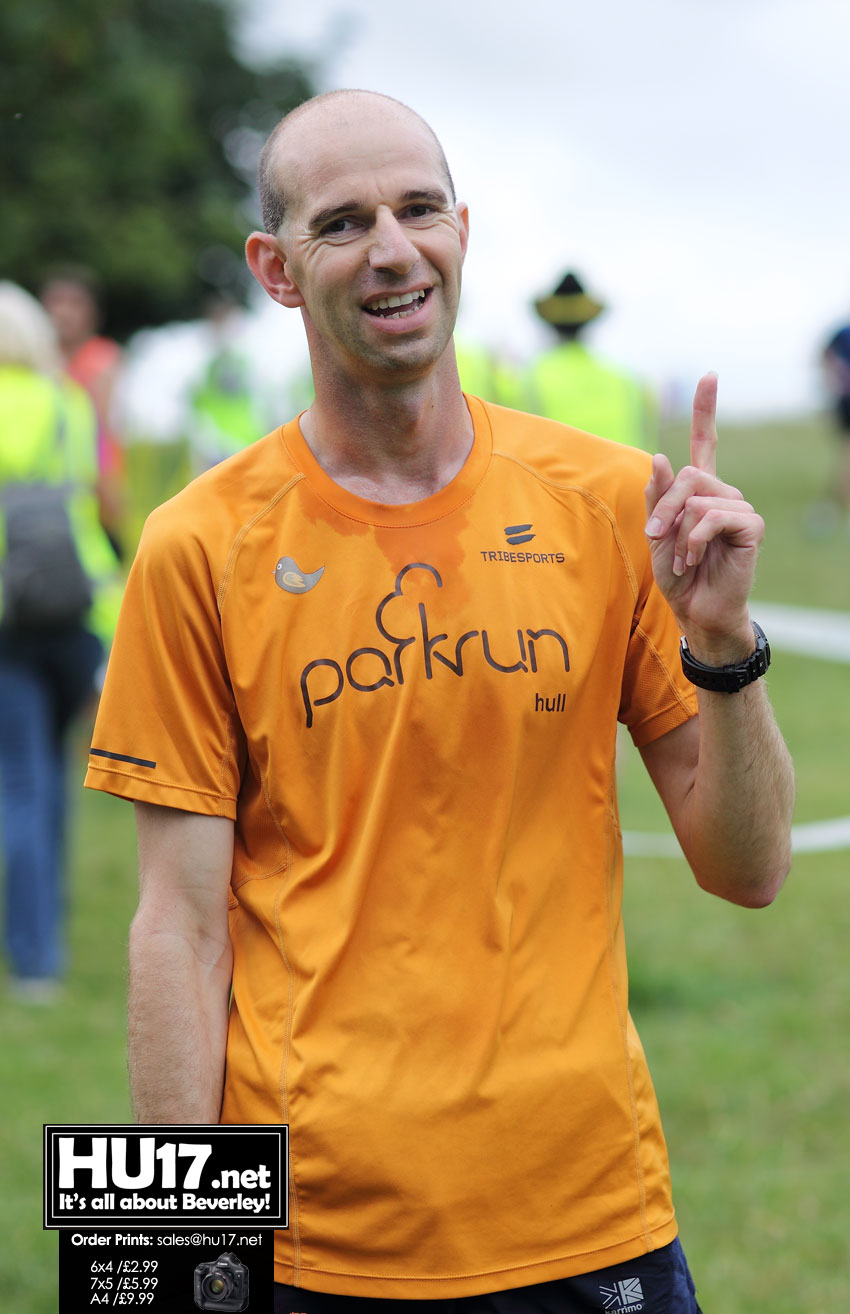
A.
x: 180, y: 966
x: 725, y: 776
x: 726, y: 781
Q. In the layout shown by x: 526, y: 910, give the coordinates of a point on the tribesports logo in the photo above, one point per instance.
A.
x: 627, y: 1295
x: 516, y: 534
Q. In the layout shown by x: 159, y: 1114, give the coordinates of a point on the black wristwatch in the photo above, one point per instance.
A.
x: 728, y: 679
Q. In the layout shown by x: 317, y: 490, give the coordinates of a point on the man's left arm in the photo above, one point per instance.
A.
x: 725, y: 776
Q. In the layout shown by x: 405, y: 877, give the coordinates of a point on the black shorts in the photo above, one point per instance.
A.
x: 657, y: 1283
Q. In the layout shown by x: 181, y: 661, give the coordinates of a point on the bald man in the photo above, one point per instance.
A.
x: 365, y: 693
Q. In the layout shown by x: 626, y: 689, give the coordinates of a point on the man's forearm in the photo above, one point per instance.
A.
x: 737, y: 815
x: 177, y: 1026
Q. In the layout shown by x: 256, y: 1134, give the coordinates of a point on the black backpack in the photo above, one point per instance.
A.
x: 43, y: 581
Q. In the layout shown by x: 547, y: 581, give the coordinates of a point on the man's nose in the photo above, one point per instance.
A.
x: 391, y: 247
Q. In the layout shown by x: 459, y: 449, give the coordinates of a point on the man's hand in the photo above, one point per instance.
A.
x: 704, y: 540
x: 725, y: 776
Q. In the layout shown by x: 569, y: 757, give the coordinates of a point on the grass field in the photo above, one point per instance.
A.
x: 744, y: 1015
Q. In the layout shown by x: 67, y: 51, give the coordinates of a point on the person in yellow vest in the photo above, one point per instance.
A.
x: 570, y: 383
x: 487, y: 374
x: 60, y: 596
x: 225, y: 413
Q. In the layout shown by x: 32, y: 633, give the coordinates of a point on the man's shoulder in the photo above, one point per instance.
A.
x: 213, y: 507
x: 565, y: 455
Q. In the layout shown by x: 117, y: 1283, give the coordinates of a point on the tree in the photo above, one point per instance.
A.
x: 130, y: 134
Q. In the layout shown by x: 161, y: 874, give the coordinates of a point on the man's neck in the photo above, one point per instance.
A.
x: 394, y: 444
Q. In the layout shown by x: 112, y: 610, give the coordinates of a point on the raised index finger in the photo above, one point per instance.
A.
x: 703, y: 428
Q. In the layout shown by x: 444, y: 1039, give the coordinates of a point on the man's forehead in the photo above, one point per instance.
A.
x: 344, y: 147
x: 351, y: 115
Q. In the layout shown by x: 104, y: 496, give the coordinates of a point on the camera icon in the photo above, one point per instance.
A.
x: 222, y: 1284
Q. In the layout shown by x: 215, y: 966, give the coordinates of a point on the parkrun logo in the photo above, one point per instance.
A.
x: 368, y: 669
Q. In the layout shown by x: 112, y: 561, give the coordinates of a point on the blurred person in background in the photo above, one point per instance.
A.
x: 224, y: 405
x: 571, y: 384
x: 836, y: 363
x: 73, y: 299
x: 488, y: 374
x: 58, y: 604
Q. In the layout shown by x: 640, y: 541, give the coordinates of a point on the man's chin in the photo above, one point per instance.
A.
x: 367, y: 359
x: 414, y: 356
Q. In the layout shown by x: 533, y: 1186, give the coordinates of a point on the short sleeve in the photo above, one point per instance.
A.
x: 656, y: 696
x: 167, y: 730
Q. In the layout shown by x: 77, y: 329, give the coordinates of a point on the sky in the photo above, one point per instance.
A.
x: 688, y: 158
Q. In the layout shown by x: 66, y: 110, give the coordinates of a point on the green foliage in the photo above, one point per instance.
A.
x: 64, y: 1062
x: 744, y: 1019
x: 130, y: 131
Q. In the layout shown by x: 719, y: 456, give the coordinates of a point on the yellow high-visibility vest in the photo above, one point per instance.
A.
x: 569, y: 384
x: 32, y: 406
x: 225, y: 410
x: 489, y: 376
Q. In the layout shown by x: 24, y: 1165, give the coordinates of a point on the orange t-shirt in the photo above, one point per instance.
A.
x: 410, y: 712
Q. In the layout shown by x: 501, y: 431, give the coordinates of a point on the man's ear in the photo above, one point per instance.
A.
x: 267, y: 262
x: 463, y: 219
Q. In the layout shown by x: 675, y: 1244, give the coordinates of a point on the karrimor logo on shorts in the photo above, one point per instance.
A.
x: 627, y: 1295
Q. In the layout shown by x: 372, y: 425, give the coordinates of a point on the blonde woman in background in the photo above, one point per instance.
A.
x: 56, y: 619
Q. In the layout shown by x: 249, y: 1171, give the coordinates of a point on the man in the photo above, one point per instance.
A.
x: 570, y: 383
x: 836, y: 363
x: 376, y: 664
x: 73, y: 299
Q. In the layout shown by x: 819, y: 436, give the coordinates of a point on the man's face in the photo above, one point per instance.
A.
x: 72, y: 310
x: 372, y: 240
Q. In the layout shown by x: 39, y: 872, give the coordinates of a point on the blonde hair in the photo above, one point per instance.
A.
x: 27, y: 335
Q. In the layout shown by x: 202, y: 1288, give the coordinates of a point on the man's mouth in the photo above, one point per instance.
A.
x: 397, y: 307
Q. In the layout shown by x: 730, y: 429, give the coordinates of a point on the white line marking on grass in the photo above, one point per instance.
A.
x: 809, y: 837
x: 821, y: 836
x: 790, y: 629
x: 805, y: 630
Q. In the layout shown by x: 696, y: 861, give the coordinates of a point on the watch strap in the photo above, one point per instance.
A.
x: 732, y: 678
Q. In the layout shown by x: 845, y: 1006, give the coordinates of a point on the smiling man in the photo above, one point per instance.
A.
x: 365, y: 692
x: 400, y: 193
x: 367, y: 240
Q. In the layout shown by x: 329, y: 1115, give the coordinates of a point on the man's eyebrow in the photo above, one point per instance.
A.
x: 433, y: 194
x: 322, y: 217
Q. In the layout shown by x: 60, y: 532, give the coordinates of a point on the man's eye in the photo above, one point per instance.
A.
x: 337, y: 226
x: 420, y: 211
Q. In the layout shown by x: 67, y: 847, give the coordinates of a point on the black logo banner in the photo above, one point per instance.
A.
x: 108, y: 1176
